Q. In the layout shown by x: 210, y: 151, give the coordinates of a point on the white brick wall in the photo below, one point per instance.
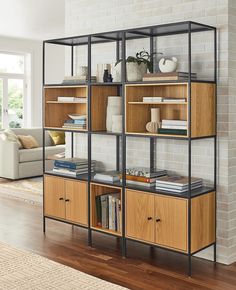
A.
x: 85, y: 17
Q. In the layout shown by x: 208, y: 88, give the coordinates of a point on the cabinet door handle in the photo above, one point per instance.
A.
x: 61, y: 198
x: 149, y: 218
x: 158, y: 220
x: 67, y: 200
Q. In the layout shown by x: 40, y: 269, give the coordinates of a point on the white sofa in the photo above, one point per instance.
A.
x: 18, y: 163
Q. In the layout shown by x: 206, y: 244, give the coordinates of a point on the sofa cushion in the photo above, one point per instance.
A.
x: 36, y: 154
x: 9, y: 135
x: 28, y: 142
x: 58, y: 137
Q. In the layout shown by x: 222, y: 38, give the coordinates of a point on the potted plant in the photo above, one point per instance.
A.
x: 136, y: 66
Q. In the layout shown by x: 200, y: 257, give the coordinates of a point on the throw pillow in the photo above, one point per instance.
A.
x: 28, y: 142
x: 9, y: 135
x: 58, y: 137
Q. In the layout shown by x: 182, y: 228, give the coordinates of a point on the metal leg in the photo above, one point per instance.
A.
x: 124, y: 249
x: 90, y: 244
x: 44, y: 224
x: 189, y: 265
x: 215, y: 253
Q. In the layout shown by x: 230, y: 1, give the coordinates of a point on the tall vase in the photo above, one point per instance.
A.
x: 114, y: 107
x: 153, y: 126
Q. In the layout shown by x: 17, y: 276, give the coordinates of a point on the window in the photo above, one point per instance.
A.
x: 12, y: 90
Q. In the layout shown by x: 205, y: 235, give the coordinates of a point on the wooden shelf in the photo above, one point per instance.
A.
x: 99, y: 229
x: 65, y: 129
x: 157, y: 103
x: 156, y: 135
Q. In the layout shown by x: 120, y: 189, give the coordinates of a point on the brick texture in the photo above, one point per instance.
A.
x: 85, y: 17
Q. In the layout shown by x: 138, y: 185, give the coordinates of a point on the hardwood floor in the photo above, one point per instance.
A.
x: 145, y: 268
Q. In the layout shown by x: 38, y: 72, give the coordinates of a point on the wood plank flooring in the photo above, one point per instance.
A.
x: 145, y: 268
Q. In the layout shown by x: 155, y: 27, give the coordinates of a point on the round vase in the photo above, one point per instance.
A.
x: 114, y: 107
x: 135, y: 71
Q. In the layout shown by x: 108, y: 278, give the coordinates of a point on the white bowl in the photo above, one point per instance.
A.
x: 76, y: 116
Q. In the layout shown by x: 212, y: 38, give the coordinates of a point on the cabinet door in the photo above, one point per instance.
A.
x: 140, y: 215
x: 171, y: 222
x: 76, y: 202
x: 54, y: 196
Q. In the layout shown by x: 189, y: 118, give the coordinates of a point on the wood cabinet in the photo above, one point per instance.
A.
x: 66, y: 199
x: 140, y: 215
x: 163, y: 220
x: 171, y: 222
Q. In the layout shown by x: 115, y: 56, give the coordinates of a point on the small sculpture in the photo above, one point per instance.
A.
x: 167, y: 65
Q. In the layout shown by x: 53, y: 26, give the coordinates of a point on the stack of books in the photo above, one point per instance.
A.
x: 173, y: 76
x: 175, y: 127
x: 110, y: 176
x: 108, y: 211
x: 79, y: 123
x: 81, y: 100
x: 152, y: 99
x: 177, y: 183
x: 72, y: 166
x: 173, y: 100
x: 142, y: 176
x: 73, y: 80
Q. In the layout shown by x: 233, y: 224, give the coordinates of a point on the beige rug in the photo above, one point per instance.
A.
x: 21, y: 270
x: 28, y: 190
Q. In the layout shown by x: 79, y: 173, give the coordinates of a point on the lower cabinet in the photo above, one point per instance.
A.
x: 66, y: 199
x: 163, y: 220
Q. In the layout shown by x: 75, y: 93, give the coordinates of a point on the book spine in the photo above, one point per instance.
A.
x: 62, y: 164
x: 98, y: 210
x: 113, y: 204
x: 104, y: 205
x: 172, y: 131
x: 174, y: 127
x: 110, y: 211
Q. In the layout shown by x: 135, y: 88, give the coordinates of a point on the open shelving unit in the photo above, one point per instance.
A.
x: 183, y: 223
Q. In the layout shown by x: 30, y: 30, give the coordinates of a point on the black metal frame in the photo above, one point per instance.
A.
x: 120, y: 37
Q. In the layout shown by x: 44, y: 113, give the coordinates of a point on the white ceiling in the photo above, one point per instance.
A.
x: 32, y: 19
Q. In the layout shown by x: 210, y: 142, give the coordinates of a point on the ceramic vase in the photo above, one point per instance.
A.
x: 168, y: 65
x: 135, y: 71
x: 116, y: 123
x: 114, y: 107
x: 153, y: 126
x: 82, y: 71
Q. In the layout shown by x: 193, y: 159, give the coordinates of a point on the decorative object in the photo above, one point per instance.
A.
x: 137, y: 66
x: 76, y: 116
x: 116, y: 123
x: 58, y: 137
x: 114, y: 107
x: 21, y: 269
x: 116, y: 72
x: 167, y: 65
x: 153, y: 126
x: 105, y: 76
x: 135, y: 71
x: 100, y: 71
x: 82, y: 71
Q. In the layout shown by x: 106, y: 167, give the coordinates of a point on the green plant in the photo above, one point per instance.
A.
x: 142, y: 57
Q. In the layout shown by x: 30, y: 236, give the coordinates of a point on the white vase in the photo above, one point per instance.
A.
x: 116, y: 123
x: 135, y: 71
x: 114, y: 107
x: 168, y: 65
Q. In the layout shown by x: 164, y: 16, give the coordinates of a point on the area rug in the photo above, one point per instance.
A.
x: 22, y: 270
x: 27, y: 190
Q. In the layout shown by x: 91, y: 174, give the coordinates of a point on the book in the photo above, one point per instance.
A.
x: 174, y: 122
x: 110, y: 176
x: 172, y: 131
x: 177, y: 190
x: 173, y: 100
x: 146, y: 184
x: 145, y: 171
x: 140, y: 178
x: 152, y: 99
x: 112, y: 211
x: 177, y: 180
x: 174, y: 127
x: 72, y: 99
x: 70, y: 172
x: 105, y: 211
x: 71, y: 163
x: 174, y: 76
x: 118, y: 214
x: 98, y: 210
